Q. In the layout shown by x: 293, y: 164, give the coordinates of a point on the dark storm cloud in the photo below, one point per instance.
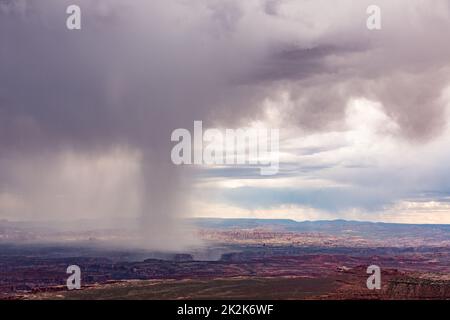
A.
x: 109, y: 82
x: 134, y: 73
x: 133, y: 78
x: 137, y: 70
x: 320, y: 89
x: 405, y: 65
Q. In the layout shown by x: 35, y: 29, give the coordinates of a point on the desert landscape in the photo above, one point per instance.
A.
x: 238, y: 259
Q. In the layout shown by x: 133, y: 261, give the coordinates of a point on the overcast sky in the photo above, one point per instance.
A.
x: 86, y: 115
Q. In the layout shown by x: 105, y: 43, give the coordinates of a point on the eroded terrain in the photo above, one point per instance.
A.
x: 241, y: 260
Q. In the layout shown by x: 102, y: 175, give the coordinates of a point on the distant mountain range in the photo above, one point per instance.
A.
x: 368, y: 230
x: 337, y: 227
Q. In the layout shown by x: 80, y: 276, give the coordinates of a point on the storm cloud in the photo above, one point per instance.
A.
x: 137, y: 70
